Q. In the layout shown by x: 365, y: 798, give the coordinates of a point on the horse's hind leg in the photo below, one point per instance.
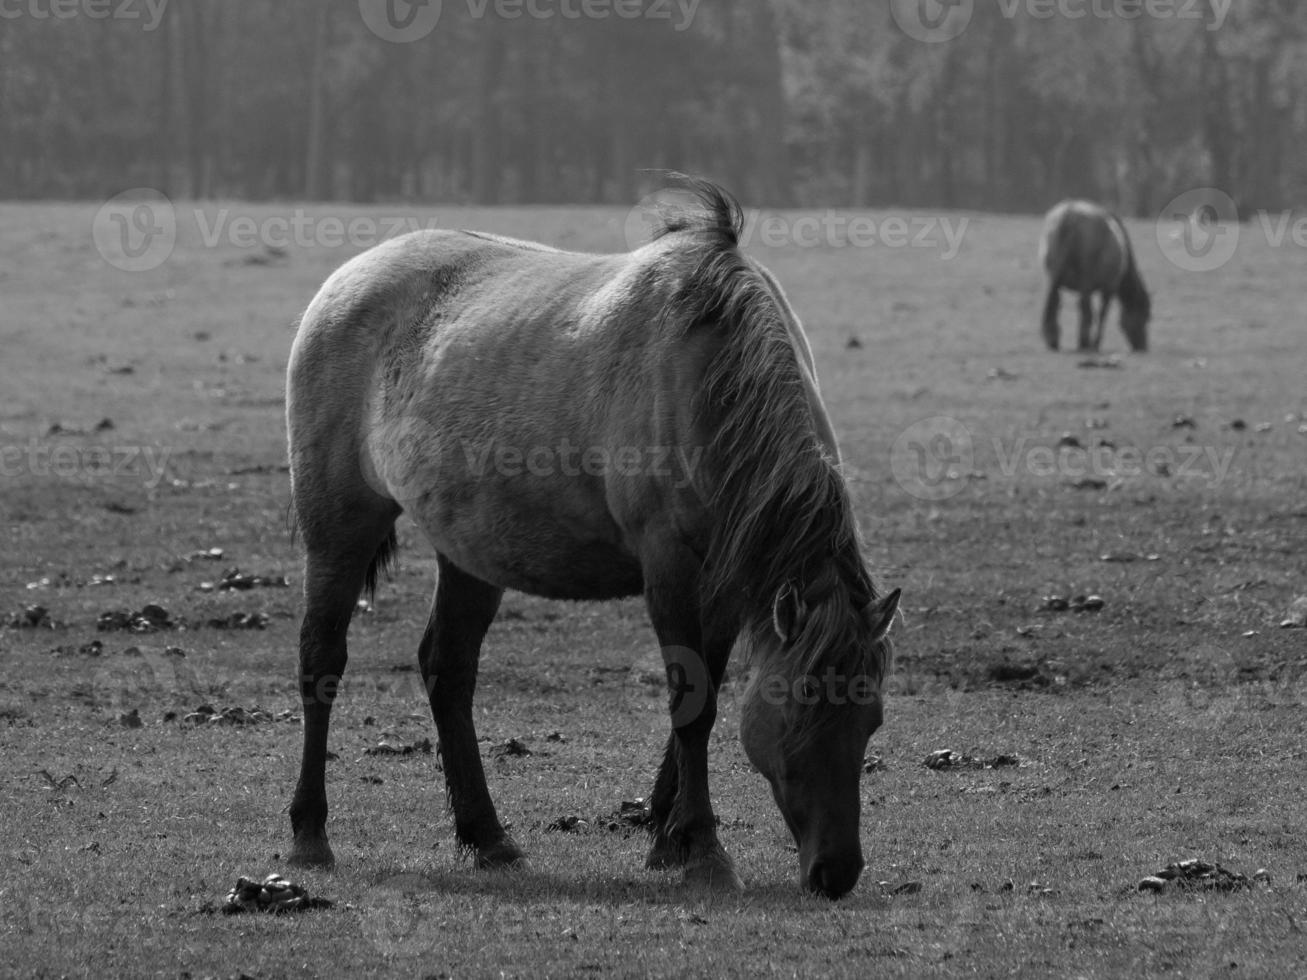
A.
x: 1103, y: 309
x: 461, y: 613
x: 340, y: 554
x: 1049, y: 323
x: 1086, y: 321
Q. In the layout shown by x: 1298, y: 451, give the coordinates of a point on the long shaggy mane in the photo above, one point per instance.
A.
x: 781, y: 508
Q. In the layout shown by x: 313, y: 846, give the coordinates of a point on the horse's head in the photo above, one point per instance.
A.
x: 1136, y: 306
x: 807, y: 715
x: 1134, y: 323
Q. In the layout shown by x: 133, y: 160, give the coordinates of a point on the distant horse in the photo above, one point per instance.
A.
x: 588, y: 427
x: 1085, y: 248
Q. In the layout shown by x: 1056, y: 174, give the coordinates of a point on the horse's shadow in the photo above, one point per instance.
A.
x: 527, y: 886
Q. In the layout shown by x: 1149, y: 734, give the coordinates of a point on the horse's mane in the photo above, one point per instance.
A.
x: 781, y: 508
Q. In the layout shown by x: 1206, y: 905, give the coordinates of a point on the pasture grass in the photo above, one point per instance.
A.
x: 1168, y: 725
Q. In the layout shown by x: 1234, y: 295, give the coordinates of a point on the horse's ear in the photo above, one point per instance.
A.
x: 788, y: 613
x: 881, y: 612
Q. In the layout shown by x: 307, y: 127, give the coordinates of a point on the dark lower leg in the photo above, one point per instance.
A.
x: 1086, y: 321
x: 334, y: 571
x: 690, y: 835
x: 451, y: 648
x: 1102, y: 320
x: 1049, y: 323
x: 662, y: 853
x: 691, y: 824
x: 322, y: 663
x: 683, y: 823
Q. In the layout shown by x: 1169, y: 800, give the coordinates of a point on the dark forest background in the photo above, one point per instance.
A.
x: 789, y: 102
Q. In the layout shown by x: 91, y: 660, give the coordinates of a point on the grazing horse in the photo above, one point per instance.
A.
x: 1085, y: 248
x: 588, y: 427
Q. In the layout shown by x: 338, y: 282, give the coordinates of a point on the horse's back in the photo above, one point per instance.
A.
x: 524, y: 404
x: 371, y: 294
x: 397, y: 280
x: 405, y: 300
x: 1083, y: 247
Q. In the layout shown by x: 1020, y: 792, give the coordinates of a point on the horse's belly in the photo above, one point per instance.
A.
x: 548, y: 564
x: 566, y: 570
x: 560, y: 547
x: 1090, y: 280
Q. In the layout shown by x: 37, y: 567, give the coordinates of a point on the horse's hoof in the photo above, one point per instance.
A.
x: 663, y: 854
x: 311, y: 852
x: 502, y: 854
x: 715, y: 873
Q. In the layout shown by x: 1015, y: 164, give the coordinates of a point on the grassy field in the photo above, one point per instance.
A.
x: 1168, y: 725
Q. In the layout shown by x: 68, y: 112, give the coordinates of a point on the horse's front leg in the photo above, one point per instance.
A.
x: 684, y: 825
x: 1086, y: 321
x: 664, y: 853
x: 1102, y: 319
x: 461, y: 614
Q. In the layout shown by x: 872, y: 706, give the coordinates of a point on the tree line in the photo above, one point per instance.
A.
x: 787, y: 102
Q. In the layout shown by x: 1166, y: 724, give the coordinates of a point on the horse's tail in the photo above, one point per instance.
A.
x: 383, y: 562
x: 1055, y: 244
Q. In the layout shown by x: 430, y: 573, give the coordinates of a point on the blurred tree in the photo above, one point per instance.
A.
x: 786, y: 101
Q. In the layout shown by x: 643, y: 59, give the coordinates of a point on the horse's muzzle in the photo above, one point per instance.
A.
x: 833, y: 877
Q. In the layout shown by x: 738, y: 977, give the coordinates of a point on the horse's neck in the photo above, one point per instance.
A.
x: 821, y: 423
x: 807, y: 365
x: 795, y: 329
